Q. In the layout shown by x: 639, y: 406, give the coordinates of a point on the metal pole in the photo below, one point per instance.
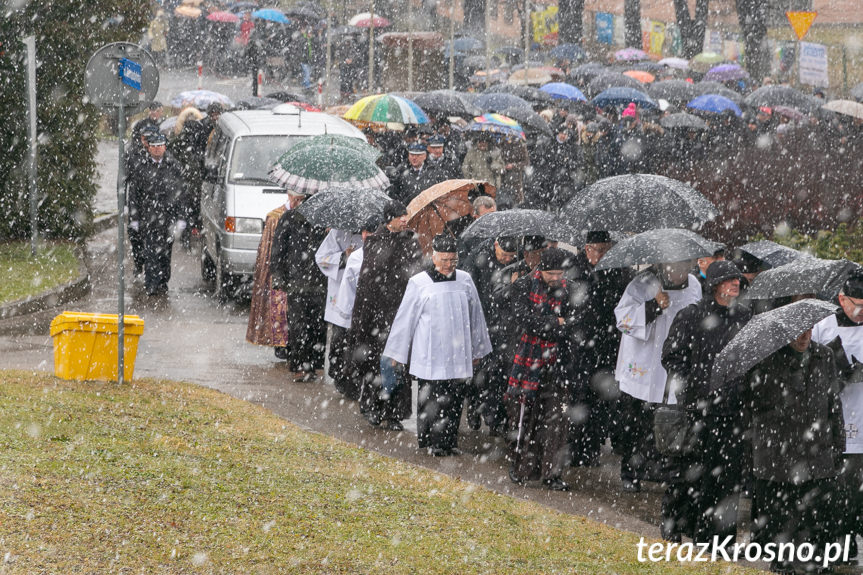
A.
x: 121, y: 246
x: 329, y: 51
x: 487, y: 43
x: 452, y: 45
x: 526, y: 34
x: 30, y: 43
x: 372, y: 49
x: 844, y: 70
x: 410, y: 46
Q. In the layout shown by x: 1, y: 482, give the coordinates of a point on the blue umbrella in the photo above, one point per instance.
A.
x: 568, y: 52
x: 498, y: 102
x: 563, y: 91
x: 623, y: 97
x: 271, y: 14
x: 714, y: 104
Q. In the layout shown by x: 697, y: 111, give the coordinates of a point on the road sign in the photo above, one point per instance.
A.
x: 130, y: 73
x: 800, y: 22
x: 112, y: 72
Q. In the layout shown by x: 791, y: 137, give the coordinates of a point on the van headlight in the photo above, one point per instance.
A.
x: 244, y: 225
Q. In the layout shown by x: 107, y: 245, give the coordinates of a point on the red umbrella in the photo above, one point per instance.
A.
x: 222, y: 16
x: 304, y: 106
x: 364, y: 20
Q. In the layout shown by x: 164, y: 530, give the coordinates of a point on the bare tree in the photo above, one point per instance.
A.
x: 632, y: 22
x: 752, y: 15
x: 691, y: 28
x: 570, y: 19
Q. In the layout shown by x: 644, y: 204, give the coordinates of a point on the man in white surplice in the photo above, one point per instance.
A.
x: 440, y: 325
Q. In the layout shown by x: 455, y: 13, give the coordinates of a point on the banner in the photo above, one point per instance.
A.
x: 545, y: 25
x: 604, y: 28
x: 813, y: 65
x: 657, y: 38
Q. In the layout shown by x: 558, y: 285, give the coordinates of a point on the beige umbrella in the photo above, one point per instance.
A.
x: 846, y: 107
x: 530, y: 76
x: 187, y: 11
x: 429, y: 212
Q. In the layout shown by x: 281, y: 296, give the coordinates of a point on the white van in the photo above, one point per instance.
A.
x: 236, y: 194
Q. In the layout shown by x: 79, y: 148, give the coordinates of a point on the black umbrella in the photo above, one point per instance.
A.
x: 518, y: 222
x: 530, y: 121
x: 510, y: 54
x: 527, y: 93
x: 304, y: 12
x: 703, y: 88
x: 783, y: 96
x: 256, y: 103
x: 607, y: 80
x: 344, y: 207
x: 675, y: 91
x: 656, y: 247
x: 684, y: 121
x: 654, y: 68
x: 636, y: 203
x: 283, y: 96
x: 582, y: 75
x: 764, y: 334
x: 498, y: 102
x: 478, y: 62
x: 445, y: 103
x: 771, y: 254
x: 805, y: 275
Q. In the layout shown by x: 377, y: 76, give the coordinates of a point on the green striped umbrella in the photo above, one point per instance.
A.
x: 386, y: 109
x: 311, y: 169
x: 356, y: 144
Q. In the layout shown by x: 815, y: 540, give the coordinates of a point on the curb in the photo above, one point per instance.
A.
x: 70, y: 291
x: 103, y: 223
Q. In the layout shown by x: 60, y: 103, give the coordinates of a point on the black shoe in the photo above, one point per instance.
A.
x: 392, y: 425
x: 373, y: 419
x: 515, y: 478
x: 474, y: 421
x: 556, y: 484
x: 631, y: 486
x: 440, y: 452
x: 281, y: 353
x: 455, y: 451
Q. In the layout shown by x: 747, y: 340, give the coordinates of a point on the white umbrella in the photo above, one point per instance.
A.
x: 676, y: 63
x: 846, y: 107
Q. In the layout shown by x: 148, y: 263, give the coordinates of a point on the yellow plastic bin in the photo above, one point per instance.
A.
x: 85, y: 345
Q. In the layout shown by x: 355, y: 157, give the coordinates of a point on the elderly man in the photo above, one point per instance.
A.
x: 644, y: 315
x: 701, y: 499
x: 391, y: 256
x: 155, y: 203
x: 292, y: 262
x: 416, y: 176
x: 440, y: 331
x: 537, y: 396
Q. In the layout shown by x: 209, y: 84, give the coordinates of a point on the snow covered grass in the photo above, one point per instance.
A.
x: 23, y: 276
x: 162, y: 477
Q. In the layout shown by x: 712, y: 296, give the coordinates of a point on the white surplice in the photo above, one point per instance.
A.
x: 343, y: 307
x: 851, y: 337
x: 329, y: 257
x: 441, y: 326
x: 639, y: 368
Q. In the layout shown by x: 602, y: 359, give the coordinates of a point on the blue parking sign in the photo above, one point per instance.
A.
x: 130, y: 73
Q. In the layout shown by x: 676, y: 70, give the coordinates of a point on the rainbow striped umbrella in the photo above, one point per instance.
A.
x: 496, y: 124
x: 386, y: 109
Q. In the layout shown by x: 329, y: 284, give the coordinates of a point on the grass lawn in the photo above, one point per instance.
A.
x: 23, y: 276
x: 162, y: 477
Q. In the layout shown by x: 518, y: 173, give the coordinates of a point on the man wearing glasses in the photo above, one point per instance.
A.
x: 440, y: 331
x: 843, y: 333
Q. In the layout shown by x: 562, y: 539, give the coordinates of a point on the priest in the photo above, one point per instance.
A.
x: 440, y: 331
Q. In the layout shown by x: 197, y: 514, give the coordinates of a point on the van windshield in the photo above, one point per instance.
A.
x: 253, y: 157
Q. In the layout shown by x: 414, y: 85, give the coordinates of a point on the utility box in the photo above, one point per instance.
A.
x: 85, y: 345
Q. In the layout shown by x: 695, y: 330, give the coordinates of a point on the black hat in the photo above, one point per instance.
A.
x: 533, y: 243
x: 598, y: 237
x: 154, y: 105
x: 722, y: 270
x: 508, y: 243
x: 554, y: 259
x: 156, y: 139
x: 215, y: 108
x: 395, y: 209
x: 372, y: 224
x: 444, y: 243
x: 853, y: 286
x: 417, y: 148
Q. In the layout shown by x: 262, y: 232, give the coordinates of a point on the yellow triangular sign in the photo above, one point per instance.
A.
x: 801, y: 21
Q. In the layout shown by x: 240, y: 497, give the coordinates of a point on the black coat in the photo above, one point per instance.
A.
x: 555, y: 174
x: 292, y: 259
x: 156, y: 196
x: 698, y: 333
x: 797, y: 424
x: 488, y: 277
x: 409, y: 183
x: 593, y: 296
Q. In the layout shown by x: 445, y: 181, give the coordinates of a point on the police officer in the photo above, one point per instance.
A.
x: 416, y: 176
x: 155, y: 188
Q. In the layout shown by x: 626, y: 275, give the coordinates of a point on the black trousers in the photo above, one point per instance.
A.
x: 591, y: 416
x: 439, y: 407
x: 490, y: 381
x: 306, y: 326
x: 137, y: 250
x: 345, y: 384
x: 156, y: 248
x: 632, y: 437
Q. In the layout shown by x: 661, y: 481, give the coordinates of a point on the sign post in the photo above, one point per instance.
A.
x: 800, y: 23
x: 124, y: 77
